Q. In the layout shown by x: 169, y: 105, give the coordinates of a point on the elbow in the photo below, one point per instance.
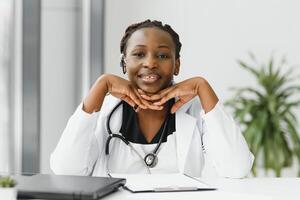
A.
x: 63, y: 166
x: 236, y: 168
x: 58, y: 166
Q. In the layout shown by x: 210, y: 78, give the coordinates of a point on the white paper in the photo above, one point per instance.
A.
x: 161, y: 182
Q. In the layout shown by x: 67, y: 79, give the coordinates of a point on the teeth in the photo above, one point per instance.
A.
x: 150, y: 76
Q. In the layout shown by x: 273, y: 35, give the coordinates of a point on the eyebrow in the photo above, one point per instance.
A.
x: 163, y: 46
x: 159, y: 46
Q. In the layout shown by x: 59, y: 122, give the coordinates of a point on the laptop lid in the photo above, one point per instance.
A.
x: 46, y: 186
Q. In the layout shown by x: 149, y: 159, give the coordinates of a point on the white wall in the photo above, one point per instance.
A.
x: 59, y: 64
x: 214, y: 35
x: 5, y: 71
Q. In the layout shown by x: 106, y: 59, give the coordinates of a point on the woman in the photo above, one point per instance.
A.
x: 168, y: 128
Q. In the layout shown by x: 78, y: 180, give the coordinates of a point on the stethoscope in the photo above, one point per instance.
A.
x: 150, y: 160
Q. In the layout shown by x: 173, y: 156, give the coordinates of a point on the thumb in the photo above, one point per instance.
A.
x: 177, y: 105
x: 181, y: 101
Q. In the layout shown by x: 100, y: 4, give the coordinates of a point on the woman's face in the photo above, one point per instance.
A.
x: 150, y: 59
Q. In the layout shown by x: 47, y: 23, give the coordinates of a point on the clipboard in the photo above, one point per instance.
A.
x: 138, y: 183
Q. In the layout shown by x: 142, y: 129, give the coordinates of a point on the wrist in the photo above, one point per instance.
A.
x: 200, y: 84
x: 104, y: 83
x: 206, y: 94
x: 96, y: 95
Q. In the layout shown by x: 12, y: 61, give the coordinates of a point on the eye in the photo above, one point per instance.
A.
x: 163, y: 56
x: 139, y: 54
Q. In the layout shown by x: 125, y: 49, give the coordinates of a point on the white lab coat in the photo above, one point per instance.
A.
x: 200, y: 139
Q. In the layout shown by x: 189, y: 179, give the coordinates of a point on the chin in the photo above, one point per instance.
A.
x: 150, y: 90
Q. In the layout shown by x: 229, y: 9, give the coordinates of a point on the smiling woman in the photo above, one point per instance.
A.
x: 167, y: 127
x: 147, y: 49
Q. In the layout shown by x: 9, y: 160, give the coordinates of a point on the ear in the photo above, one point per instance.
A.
x: 124, y: 69
x: 123, y: 64
x: 177, y: 66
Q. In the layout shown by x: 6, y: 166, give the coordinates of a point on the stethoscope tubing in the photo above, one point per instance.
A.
x: 112, y: 135
x: 136, y: 152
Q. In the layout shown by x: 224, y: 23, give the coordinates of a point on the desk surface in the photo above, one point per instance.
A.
x: 246, y: 189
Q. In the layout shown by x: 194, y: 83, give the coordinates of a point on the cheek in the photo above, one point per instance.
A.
x: 131, y: 73
x: 168, y: 70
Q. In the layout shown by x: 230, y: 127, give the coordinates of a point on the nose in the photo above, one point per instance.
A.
x: 150, y: 62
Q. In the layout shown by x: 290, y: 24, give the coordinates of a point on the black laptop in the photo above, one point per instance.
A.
x: 46, y: 186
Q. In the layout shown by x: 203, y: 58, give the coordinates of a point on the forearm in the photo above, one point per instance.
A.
x: 93, y: 101
x: 208, y: 97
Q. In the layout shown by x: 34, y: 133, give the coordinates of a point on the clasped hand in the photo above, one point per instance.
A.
x: 184, y: 91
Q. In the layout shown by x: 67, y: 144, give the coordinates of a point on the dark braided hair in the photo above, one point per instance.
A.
x: 146, y: 24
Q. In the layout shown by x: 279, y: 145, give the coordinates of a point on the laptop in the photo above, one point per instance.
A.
x: 46, y: 186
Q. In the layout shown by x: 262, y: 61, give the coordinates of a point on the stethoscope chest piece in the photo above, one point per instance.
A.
x: 151, y: 160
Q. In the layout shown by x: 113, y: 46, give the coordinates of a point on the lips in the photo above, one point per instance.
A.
x: 149, y: 77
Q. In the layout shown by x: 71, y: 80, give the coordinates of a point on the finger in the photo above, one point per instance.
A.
x: 177, y: 105
x: 141, y: 91
x: 167, y: 96
x: 155, y: 107
x: 181, y: 102
x: 149, y: 104
x: 160, y: 94
x: 138, y: 109
x: 144, y: 95
x: 128, y: 100
x: 136, y: 99
x: 144, y: 103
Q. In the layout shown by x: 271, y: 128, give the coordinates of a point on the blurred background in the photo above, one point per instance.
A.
x: 51, y: 51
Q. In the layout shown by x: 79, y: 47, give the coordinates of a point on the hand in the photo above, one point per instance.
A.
x: 185, y: 91
x: 124, y: 90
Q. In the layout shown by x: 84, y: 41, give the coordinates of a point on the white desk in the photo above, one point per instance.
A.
x: 241, y: 189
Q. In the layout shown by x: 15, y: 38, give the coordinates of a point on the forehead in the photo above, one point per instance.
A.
x: 150, y: 36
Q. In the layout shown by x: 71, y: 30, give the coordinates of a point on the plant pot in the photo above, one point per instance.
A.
x: 8, y: 193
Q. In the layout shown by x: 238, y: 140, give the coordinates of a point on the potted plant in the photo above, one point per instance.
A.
x: 7, y: 188
x: 266, y: 114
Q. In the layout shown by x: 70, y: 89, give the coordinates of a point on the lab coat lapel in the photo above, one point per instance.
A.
x: 116, y: 119
x: 185, y: 125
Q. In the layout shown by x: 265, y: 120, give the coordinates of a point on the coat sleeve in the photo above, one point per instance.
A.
x: 224, y: 144
x: 77, y: 149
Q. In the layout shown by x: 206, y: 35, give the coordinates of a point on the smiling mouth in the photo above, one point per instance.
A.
x: 149, y: 78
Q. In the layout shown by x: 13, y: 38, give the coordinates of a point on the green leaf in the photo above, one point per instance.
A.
x: 7, y: 182
x: 250, y: 69
x: 267, y: 113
